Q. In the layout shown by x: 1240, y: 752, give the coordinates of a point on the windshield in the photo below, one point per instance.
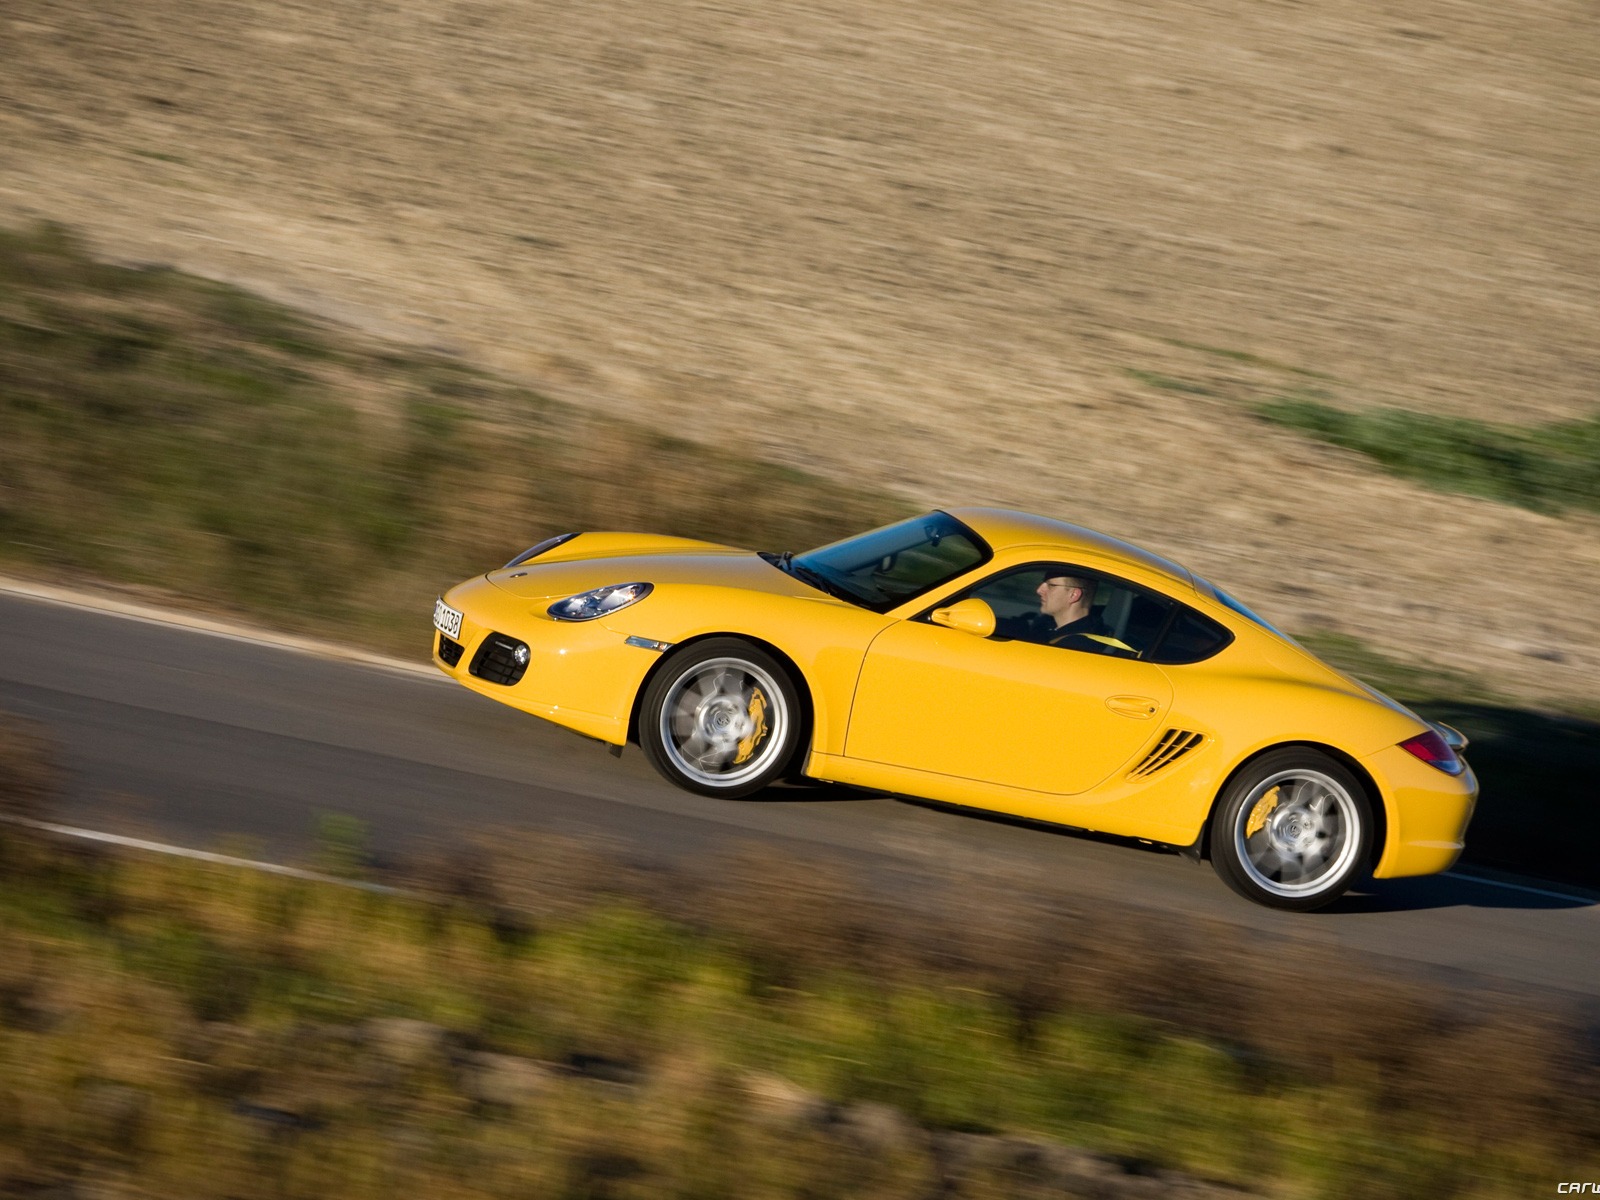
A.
x: 889, y: 566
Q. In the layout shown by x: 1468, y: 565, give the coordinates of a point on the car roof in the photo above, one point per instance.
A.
x: 1004, y: 528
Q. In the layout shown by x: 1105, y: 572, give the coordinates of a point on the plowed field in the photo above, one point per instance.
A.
x: 1032, y: 253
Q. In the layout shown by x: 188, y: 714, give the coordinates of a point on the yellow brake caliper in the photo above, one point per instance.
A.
x: 1260, y: 813
x: 758, y: 726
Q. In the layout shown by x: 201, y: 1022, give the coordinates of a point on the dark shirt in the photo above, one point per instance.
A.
x: 1036, y: 627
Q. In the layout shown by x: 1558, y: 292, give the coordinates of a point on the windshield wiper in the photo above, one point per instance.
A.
x: 785, y: 562
x: 822, y: 583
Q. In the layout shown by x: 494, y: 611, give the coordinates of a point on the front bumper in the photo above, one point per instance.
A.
x: 1427, y: 813
x: 580, y: 674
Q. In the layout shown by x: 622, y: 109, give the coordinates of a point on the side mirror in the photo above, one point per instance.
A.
x: 970, y: 616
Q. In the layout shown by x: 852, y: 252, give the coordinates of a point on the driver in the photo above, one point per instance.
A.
x: 1066, y: 618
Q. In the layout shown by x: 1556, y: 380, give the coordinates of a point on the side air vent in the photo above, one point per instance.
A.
x: 1174, y: 744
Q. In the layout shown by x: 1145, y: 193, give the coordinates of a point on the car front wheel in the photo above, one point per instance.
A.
x: 1292, y: 830
x: 721, y: 718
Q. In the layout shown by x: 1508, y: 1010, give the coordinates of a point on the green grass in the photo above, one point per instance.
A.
x: 1170, y: 383
x: 178, y: 1028
x: 170, y: 432
x: 1246, y: 358
x: 1548, y: 468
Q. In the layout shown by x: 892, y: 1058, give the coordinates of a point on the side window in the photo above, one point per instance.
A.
x: 1014, y: 598
x: 1057, y: 604
x: 1191, y: 638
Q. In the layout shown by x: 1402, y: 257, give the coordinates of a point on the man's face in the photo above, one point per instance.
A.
x: 1057, y: 595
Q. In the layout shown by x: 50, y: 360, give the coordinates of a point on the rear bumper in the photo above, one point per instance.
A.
x: 1427, y: 813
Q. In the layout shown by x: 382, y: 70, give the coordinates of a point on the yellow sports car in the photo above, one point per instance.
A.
x: 981, y: 658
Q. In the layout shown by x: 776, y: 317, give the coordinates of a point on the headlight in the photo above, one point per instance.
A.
x: 599, y: 602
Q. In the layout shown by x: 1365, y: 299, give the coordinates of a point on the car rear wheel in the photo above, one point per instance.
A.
x: 721, y: 718
x: 1292, y: 830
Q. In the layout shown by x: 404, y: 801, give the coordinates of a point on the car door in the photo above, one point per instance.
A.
x: 1050, y: 718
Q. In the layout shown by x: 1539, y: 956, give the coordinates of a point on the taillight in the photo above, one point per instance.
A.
x: 1432, y: 749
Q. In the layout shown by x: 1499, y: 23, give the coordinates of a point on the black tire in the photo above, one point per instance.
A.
x: 721, y: 717
x: 1293, y: 830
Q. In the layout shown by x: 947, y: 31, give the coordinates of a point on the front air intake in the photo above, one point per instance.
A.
x: 449, y: 652
x: 500, y: 659
x: 1174, y: 744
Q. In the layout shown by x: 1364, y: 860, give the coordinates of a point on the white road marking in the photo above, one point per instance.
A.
x: 150, y: 615
x: 206, y: 856
x: 1521, y: 887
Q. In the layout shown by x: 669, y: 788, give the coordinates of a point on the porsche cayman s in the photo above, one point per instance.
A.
x: 979, y: 658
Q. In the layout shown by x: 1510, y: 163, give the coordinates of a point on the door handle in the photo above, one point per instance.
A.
x: 1141, y: 707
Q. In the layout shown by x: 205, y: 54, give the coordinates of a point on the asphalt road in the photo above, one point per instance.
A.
x: 196, y: 738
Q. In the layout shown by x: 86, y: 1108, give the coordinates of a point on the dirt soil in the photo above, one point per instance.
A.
x: 924, y: 243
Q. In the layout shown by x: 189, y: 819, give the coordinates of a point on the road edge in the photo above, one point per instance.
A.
x: 109, y: 605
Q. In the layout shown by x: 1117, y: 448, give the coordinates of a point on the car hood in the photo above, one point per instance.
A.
x: 609, y: 545
x: 663, y: 562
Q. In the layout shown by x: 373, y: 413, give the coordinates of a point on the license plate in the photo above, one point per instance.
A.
x: 446, y: 620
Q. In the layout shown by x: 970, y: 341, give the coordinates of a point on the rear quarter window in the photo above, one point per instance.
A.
x: 1191, y: 638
